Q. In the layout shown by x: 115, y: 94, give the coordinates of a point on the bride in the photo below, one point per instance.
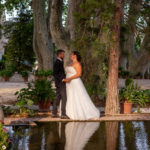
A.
x: 79, y: 105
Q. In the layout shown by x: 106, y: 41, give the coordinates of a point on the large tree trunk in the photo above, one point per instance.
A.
x: 111, y: 135
x: 129, y: 34
x: 42, y: 42
x: 112, y: 101
x: 142, y: 63
x: 62, y: 37
x: 73, y: 6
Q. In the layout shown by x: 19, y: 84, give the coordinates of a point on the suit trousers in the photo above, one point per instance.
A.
x: 60, y: 96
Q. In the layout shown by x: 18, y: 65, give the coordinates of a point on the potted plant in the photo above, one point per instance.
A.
x: 146, y: 76
x: 6, y: 74
x: 43, y: 93
x: 132, y: 94
x: 48, y: 74
x: 125, y: 97
x: 25, y: 75
x: 43, y: 74
x: 39, y: 74
x: 40, y: 92
x: 138, y: 75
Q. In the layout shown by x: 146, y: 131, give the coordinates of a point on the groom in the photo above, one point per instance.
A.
x: 59, y: 75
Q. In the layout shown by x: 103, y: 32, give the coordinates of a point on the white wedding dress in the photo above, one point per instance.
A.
x: 79, y: 105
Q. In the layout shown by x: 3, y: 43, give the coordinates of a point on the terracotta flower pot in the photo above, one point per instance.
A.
x: 127, y: 108
x: 25, y: 79
x: 5, y: 79
x: 44, y: 105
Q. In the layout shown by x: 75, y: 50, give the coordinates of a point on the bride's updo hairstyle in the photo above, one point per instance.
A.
x: 78, y: 55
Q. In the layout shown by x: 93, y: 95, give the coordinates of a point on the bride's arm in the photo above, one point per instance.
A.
x: 78, y: 69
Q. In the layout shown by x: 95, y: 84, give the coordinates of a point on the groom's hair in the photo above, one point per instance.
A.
x: 59, y: 51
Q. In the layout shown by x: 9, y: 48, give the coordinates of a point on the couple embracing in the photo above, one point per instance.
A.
x: 75, y: 101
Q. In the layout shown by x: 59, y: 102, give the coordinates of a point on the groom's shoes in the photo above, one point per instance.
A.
x: 55, y: 116
x: 64, y: 117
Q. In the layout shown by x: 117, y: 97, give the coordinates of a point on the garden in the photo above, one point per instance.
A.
x: 113, y: 40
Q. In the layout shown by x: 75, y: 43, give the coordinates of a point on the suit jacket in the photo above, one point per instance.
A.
x: 59, y: 72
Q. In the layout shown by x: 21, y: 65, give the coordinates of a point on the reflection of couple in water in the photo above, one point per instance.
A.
x: 73, y: 135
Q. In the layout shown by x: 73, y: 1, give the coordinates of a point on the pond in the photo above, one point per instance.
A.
x: 82, y: 136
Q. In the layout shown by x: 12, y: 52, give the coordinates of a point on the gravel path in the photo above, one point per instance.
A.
x: 7, y: 89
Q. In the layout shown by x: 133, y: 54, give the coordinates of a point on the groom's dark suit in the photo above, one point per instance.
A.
x: 59, y: 75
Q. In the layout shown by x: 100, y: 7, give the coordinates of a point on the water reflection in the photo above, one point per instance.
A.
x: 122, y: 137
x: 141, y: 136
x: 78, y: 134
x: 111, y: 135
x: 82, y: 136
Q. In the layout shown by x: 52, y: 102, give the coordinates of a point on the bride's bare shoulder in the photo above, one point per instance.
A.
x: 77, y: 65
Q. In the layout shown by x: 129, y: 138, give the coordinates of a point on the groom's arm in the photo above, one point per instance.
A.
x: 56, y: 71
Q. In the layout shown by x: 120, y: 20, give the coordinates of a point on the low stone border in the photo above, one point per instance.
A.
x: 32, y: 120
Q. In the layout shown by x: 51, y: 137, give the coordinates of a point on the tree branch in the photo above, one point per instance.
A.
x: 59, y: 36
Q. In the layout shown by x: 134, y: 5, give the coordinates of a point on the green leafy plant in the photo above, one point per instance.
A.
x: 43, y: 90
x: 48, y: 73
x: 6, y: 73
x: 123, y: 73
x: 24, y: 74
x: 128, y: 82
x: 36, y: 91
x: 39, y: 73
x: 24, y: 97
x: 23, y: 105
x: 138, y: 75
x: 132, y: 93
x: 43, y: 73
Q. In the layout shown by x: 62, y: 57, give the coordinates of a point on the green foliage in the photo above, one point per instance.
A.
x: 19, y: 49
x: 6, y: 73
x: 10, y: 5
x: 93, y: 22
x: 22, y: 108
x: 128, y: 82
x: 24, y: 73
x: 4, y: 143
x: 132, y: 93
x: 23, y: 105
x: 8, y: 70
x: 123, y: 73
x: 43, y: 90
x: 24, y: 99
x: 2, y: 62
x: 43, y: 73
x: 39, y: 90
x: 138, y: 75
